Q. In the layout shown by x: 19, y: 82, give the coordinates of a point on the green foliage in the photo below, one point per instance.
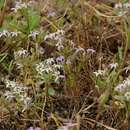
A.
x: 33, y: 19
x: 2, y: 3
x: 51, y: 91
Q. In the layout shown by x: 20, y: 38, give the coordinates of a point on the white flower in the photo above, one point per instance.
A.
x: 19, y: 65
x: 68, y: 62
x: 59, y: 35
x: 72, y: 44
x: 127, y: 82
x: 119, y: 5
x: 8, y: 95
x: 49, y: 61
x: 21, y: 53
x: 125, y: 5
x: 127, y: 69
x: 40, y: 50
x: 113, y: 65
x: 33, y: 35
x: 90, y: 51
x: 51, y: 14
x: 26, y: 101
x: 122, y: 13
x: 80, y: 49
x: 14, y: 34
x: 120, y: 88
x: 19, y: 5
x: 4, y: 33
x: 59, y: 45
x: 99, y: 72
x: 127, y: 96
x: 15, y: 87
x: 48, y: 67
x: 17, y: 91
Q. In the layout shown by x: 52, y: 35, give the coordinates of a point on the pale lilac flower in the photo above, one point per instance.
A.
x: 30, y: 128
x: 60, y: 59
x: 90, y: 51
x: 113, y: 65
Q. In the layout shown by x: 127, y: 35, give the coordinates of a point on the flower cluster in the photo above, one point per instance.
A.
x: 19, y: 5
x: 113, y: 65
x: 120, y: 5
x: 56, y: 36
x: 17, y: 91
x: 19, y: 55
x: 22, y: 53
x: 50, y: 69
x: 124, y: 88
x: 33, y: 35
x: 123, y: 7
x: 89, y: 51
x: 80, y: 49
x: 31, y: 128
x: 99, y: 72
x: 6, y: 33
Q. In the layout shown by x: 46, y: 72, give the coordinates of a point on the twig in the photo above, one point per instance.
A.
x: 107, y: 127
